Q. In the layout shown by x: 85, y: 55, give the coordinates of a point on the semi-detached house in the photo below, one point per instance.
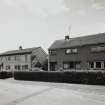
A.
x: 22, y: 59
x: 86, y: 52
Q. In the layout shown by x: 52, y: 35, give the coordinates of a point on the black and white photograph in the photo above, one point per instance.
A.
x: 52, y: 52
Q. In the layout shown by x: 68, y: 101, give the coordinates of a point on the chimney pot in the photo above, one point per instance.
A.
x: 20, y: 48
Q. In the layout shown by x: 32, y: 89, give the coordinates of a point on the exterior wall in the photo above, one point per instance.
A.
x: 84, y: 55
x: 20, y: 61
x: 39, y: 56
x: 14, y: 61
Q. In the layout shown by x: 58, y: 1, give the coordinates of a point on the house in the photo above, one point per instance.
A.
x: 22, y: 59
x: 87, y: 52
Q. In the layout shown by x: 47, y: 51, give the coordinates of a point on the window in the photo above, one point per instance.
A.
x: 68, y: 51
x: 17, y: 67
x: 53, y: 52
x: 71, y: 65
x: 98, y: 64
x: 104, y: 64
x: 77, y: 65
x: 9, y: 58
x: 74, y: 50
x: 71, y: 51
x: 8, y: 67
x: 98, y: 49
x: 26, y: 58
x: 66, y: 65
x: 24, y: 67
x: 0, y: 58
x: 15, y: 57
x: 91, y: 64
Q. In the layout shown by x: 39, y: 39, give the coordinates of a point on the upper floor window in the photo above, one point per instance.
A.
x: 15, y: 58
x: 9, y: 58
x: 98, y: 49
x: 0, y: 58
x: 74, y: 50
x: 69, y: 51
x: 52, y: 52
x: 26, y: 57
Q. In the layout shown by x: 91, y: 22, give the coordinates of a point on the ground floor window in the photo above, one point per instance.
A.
x: 91, y: 64
x: 78, y: 66
x: 24, y: 67
x: 8, y: 67
x: 71, y: 65
x: 104, y: 65
x: 97, y: 65
x: 17, y: 67
x: 66, y: 66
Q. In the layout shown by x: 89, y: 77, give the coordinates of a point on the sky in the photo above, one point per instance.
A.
x: 33, y: 23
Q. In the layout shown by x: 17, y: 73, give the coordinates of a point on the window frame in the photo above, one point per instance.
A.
x: 100, y: 63
x: 90, y: 66
x: 26, y: 58
x: 52, y: 52
x: 67, y: 63
x: 68, y: 52
x: 9, y: 58
x: 71, y: 51
x: 97, y: 49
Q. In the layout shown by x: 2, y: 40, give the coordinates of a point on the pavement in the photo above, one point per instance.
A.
x: 14, y: 92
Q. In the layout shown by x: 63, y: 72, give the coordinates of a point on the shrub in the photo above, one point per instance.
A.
x: 5, y: 74
x: 95, y: 78
x: 39, y: 76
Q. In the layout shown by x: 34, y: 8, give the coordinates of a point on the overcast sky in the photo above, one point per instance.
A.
x: 32, y: 23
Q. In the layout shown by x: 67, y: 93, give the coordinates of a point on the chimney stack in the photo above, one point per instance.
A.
x: 20, y: 48
x: 67, y: 37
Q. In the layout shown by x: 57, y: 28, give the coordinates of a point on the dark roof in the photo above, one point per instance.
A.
x: 16, y: 52
x: 79, y: 41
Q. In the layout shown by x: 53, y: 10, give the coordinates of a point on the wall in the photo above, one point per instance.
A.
x: 84, y: 55
x: 15, y: 60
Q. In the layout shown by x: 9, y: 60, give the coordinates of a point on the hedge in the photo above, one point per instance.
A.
x: 5, y: 74
x: 95, y: 78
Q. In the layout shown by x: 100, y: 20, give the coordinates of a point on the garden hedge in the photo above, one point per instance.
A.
x: 96, y: 78
x: 5, y: 74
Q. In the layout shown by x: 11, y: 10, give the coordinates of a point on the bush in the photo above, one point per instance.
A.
x: 5, y: 74
x: 39, y: 76
x: 95, y: 78
x: 45, y: 65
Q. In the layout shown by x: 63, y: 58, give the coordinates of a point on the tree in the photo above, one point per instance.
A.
x: 45, y: 65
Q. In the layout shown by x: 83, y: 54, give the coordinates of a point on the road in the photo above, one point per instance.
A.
x: 13, y: 92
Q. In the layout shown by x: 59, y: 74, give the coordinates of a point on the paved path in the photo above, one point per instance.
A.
x: 14, y: 92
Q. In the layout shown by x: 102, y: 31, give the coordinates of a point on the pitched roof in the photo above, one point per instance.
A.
x: 79, y: 41
x: 15, y: 52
